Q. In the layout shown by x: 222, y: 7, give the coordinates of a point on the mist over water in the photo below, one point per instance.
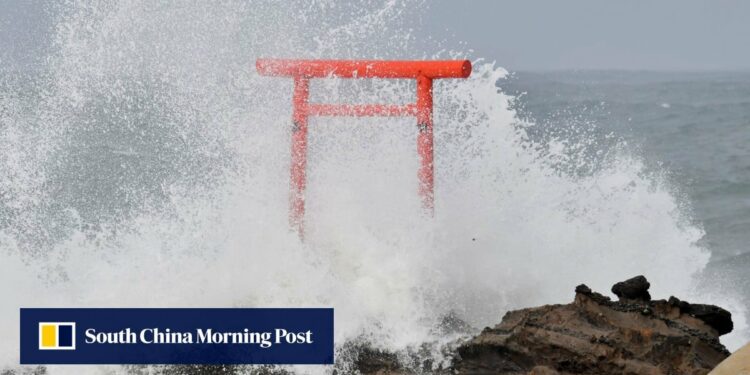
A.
x: 147, y: 166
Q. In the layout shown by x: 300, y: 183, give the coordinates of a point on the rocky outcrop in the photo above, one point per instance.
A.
x: 635, y: 288
x: 716, y: 317
x: 595, y: 335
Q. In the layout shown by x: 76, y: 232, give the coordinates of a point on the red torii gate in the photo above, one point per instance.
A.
x: 303, y: 70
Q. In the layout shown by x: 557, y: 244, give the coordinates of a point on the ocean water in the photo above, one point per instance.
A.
x: 696, y: 125
x: 693, y: 125
x: 146, y: 164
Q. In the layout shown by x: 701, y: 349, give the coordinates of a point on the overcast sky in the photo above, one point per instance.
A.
x: 601, y: 34
x: 526, y: 34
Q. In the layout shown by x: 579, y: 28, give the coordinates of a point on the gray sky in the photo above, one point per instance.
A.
x: 601, y: 34
x: 526, y: 34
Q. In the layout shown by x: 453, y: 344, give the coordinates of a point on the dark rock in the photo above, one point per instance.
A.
x: 591, y: 336
x: 372, y: 360
x: 595, y: 336
x: 716, y: 317
x: 635, y: 289
x: 543, y: 370
x: 584, y: 289
x: 682, y: 305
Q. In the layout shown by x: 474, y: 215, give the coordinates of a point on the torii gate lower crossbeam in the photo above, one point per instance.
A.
x: 424, y: 72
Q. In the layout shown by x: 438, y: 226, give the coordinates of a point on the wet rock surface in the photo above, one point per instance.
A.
x: 595, y: 335
x: 635, y: 289
x: 592, y: 335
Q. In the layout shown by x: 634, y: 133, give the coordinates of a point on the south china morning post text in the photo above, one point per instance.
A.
x: 177, y: 336
x: 149, y: 336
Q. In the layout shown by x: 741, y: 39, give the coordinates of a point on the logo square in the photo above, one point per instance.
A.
x: 57, y: 336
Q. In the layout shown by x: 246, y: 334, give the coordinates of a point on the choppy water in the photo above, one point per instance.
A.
x: 147, y: 165
x: 694, y: 125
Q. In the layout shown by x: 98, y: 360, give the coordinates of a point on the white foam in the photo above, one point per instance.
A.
x: 510, y: 229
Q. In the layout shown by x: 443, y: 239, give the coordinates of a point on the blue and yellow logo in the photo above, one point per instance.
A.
x: 57, y: 336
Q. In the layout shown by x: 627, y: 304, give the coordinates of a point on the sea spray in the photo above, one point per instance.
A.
x: 150, y: 168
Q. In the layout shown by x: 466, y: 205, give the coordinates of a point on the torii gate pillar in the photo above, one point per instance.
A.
x: 424, y: 72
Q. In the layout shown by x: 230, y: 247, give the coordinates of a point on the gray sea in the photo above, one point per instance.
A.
x: 693, y: 126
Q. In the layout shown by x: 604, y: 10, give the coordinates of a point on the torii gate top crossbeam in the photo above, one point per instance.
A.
x: 433, y: 69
